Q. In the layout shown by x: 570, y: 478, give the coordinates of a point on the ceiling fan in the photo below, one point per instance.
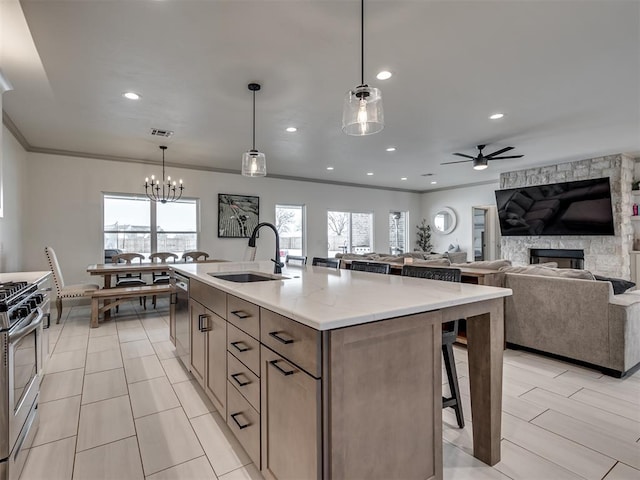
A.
x: 480, y: 161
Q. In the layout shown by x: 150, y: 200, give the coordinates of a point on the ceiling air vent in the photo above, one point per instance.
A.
x: 157, y: 132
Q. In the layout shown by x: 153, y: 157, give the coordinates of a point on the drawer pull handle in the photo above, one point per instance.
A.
x: 240, y: 349
x: 201, y: 326
x: 239, y: 382
x: 284, y: 372
x: 241, y: 314
x: 286, y: 341
x: 240, y: 426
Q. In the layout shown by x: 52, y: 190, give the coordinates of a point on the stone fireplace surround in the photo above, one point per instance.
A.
x: 603, y: 255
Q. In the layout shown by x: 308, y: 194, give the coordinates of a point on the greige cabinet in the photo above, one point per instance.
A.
x: 198, y: 341
x: 209, y: 353
x: 307, y: 404
x: 216, y: 373
x: 291, y: 420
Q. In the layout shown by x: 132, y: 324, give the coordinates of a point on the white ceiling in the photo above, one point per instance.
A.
x: 565, y: 73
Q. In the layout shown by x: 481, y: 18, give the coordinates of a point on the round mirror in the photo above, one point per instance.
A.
x: 444, y: 221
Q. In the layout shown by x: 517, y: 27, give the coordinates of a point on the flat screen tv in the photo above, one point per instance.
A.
x: 569, y: 208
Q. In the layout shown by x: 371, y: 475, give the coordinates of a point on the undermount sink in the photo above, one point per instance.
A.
x: 247, y: 277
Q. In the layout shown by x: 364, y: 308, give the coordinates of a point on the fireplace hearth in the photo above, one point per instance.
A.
x: 565, y: 258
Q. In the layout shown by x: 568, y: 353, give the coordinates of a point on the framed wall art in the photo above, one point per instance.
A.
x: 237, y: 215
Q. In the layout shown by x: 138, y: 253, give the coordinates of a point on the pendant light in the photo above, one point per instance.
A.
x: 162, y: 190
x: 254, y: 163
x: 362, y: 111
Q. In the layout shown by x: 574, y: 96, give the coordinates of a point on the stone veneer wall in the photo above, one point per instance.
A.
x: 603, y: 255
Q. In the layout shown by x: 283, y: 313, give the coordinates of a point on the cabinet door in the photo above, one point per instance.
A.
x: 291, y: 428
x: 216, y: 385
x: 198, y: 340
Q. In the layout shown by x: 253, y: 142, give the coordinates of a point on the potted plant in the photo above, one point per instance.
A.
x: 423, y: 241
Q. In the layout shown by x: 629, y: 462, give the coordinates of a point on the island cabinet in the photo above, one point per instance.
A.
x: 361, y: 401
x: 208, y: 333
x: 291, y: 398
x: 243, y: 374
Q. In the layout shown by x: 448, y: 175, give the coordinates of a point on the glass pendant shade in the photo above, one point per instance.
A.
x: 254, y: 164
x: 362, y: 112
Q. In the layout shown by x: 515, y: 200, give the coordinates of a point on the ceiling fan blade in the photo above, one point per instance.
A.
x: 503, y: 158
x: 459, y: 161
x: 505, y: 149
x: 465, y: 156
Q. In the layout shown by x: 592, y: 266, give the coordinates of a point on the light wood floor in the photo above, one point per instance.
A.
x: 116, y: 404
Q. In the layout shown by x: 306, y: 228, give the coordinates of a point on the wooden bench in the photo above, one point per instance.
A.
x: 120, y: 295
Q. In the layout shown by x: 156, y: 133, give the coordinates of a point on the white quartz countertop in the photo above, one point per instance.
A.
x: 324, y: 298
x: 29, y: 277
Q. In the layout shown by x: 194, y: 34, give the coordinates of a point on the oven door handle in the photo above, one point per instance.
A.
x: 26, y: 330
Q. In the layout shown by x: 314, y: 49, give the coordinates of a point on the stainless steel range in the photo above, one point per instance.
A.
x: 23, y: 307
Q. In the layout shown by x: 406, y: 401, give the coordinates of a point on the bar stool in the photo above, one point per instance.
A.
x: 449, y: 334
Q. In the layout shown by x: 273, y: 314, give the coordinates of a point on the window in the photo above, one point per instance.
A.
x: 133, y: 223
x: 290, y: 226
x: 349, y: 232
x: 398, y: 235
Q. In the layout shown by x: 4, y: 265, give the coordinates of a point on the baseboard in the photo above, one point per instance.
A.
x: 607, y: 371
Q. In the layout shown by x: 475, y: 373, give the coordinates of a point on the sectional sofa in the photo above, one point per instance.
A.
x: 569, y: 313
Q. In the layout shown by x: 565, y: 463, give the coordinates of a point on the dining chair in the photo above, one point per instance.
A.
x: 161, y: 278
x: 372, y: 267
x: 65, y: 291
x: 130, y: 279
x: 295, y: 260
x: 194, y: 256
x: 449, y: 334
x: 325, y: 262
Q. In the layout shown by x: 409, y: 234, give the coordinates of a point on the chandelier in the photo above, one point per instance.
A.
x: 162, y: 190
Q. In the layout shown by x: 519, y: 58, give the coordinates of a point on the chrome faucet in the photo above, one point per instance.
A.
x: 252, y: 243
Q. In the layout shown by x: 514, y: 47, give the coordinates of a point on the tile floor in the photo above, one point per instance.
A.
x: 116, y: 404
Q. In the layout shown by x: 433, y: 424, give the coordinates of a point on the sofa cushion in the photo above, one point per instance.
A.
x: 550, y: 272
x: 443, y: 262
x: 416, y: 255
x: 487, y: 264
x: 619, y: 285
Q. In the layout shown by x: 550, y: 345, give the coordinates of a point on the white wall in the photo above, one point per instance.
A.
x: 12, y: 176
x: 461, y: 201
x: 64, y: 208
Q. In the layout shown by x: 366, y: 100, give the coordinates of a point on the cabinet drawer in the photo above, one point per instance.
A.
x: 244, y: 422
x: 244, y: 315
x: 212, y: 298
x: 245, y: 381
x: 296, y: 342
x: 244, y: 347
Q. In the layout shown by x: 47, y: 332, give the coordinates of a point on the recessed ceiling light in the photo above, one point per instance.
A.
x: 329, y: 168
x: 369, y: 173
x: 496, y: 116
x: 434, y: 182
x: 384, y: 75
x: 291, y: 129
x: 403, y: 178
x: 391, y: 149
x: 131, y: 95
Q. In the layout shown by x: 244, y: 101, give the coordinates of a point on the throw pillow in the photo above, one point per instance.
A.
x: 619, y: 285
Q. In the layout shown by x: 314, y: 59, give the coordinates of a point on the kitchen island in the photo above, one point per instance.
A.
x: 324, y: 373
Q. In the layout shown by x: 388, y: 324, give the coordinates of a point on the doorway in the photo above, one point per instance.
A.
x: 486, y: 233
